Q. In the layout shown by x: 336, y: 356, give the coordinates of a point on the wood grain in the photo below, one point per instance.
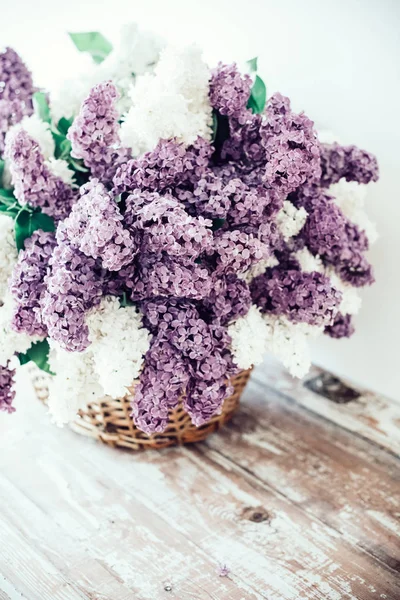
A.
x: 370, y: 416
x: 295, y: 504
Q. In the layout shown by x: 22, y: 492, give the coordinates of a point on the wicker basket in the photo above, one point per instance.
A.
x: 109, y: 420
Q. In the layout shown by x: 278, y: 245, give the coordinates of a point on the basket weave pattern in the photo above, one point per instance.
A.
x: 109, y: 420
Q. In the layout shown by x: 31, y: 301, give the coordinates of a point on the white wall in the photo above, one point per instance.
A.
x: 337, y: 59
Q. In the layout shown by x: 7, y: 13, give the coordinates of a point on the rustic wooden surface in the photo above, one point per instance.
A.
x: 297, y: 499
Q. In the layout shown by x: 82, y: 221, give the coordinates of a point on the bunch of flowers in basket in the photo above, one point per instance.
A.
x: 163, y: 224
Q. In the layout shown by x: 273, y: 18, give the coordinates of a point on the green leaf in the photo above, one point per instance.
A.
x: 2, y: 163
x: 42, y: 221
x: 125, y: 301
x: 23, y: 228
x: 23, y: 358
x: 41, y: 106
x: 217, y: 224
x: 63, y: 146
x: 63, y: 125
x: 27, y: 222
x: 78, y: 165
x: 214, y: 125
x: 11, y: 210
x: 39, y: 354
x: 6, y: 195
x: 258, y: 96
x: 221, y: 130
x: 252, y: 64
x: 92, y: 42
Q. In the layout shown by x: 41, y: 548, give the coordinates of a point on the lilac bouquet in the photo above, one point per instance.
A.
x: 164, y: 222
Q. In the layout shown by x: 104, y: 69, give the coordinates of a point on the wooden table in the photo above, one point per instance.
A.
x: 298, y: 498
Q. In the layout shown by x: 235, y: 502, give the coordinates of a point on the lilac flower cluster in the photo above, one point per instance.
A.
x: 301, y: 297
x: 94, y: 227
x: 329, y: 234
x: 203, y: 238
x: 187, y: 362
x: 170, y: 164
x: 230, y: 91
x: 7, y: 392
x: 27, y: 283
x: 73, y: 285
x: 16, y: 80
x: 229, y: 299
x: 11, y: 113
x: 94, y: 132
x: 283, y: 146
x: 341, y: 327
x: 349, y: 162
x: 34, y: 183
x: 16, y: 90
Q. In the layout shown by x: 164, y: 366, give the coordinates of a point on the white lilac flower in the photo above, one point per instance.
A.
x: 171, y: 103
x: 74, y: 385
x: 40, y: 132
x: 136, y: 53
x: 60, y: 168
x: 8, y: 252
x: 289, y: 342
x: 118, y: 345
x: 290, y: 220
x: 351, y: 299
x: 258, y: 269
x: 11, y: 341
x: 249, y: 335
x: 350, y: 198
x: 67, y: 99
x: 308, y: 262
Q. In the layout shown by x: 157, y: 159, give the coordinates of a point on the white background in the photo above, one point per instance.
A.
x: 337, y: 59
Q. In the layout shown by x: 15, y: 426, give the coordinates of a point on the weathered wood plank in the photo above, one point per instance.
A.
x: 93, y: 529
x: 371, y: 415
x: 156, y: 525
x: 344, y: 481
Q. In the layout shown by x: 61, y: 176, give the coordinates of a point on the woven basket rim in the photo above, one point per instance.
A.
x: 108, y: 419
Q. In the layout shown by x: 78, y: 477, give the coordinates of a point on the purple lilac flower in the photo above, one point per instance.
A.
x: 170, y: 164
x: 222, y: 194
x: 160, y: 387
x: 208, y: 387
x: 15, y: 79
x: 94, y: 132
x: 229, y: 299
x: 349, y: 162
x: 11, y: 113
x: 186, y: 361
x: 7, y: 391
x: 161, y: 276
x: 328, y: 233
x: 167, y: 227
x: 301, y: 297
x: 283, y: 142
x: 341, y: 327
x: 73, y: 286
x: 34, y: 183
x: 230, y: 91
x: 208, y: 197
x: 238, y: 250
x: 95, y: 227
x: 244, y: 146
x: 163, y: 315
x: 27, y: 283
x: 223, y: 570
